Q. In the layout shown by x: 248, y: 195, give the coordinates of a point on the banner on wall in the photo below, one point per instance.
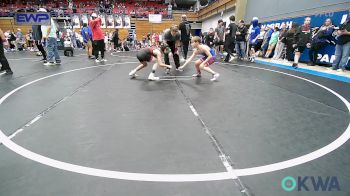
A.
x: 326, y: 55
x: 84, y: 19
x: 110, y: 21
x: 75, y: 21
x: 103, y: 21
x: 155, y: 18
x: 127, y: 22
x: 118, y: 22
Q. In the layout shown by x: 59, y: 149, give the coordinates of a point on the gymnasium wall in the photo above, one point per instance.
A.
x: 143, y: 27
x: 268, y: 10
x: 213, y: 21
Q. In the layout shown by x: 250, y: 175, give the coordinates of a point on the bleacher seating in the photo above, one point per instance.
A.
x: 137, y: 9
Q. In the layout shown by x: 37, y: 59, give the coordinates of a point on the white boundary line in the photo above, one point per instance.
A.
x: 176, y: 177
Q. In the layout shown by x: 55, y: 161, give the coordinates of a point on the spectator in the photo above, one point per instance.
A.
x: 342, y: 49
x: 281, y: 42
x: 115, y: 39
x: 97, y: 37
x: 302, y: 39
x: 38, y: 37
x: 30, y: 41
x: 185, y: 30
x: 320, y: 40
x: 52, y: 44
x: 230, y: 39
x: 87, y: 39
x: 5, y: 67
x: 241, y: 40
x: 209, y: 39
x: 68, y: 47
x: 253, y: 38
x: 266, y: 40
x: 273, y: 42
x: 220, y: 37
x: 170, y: 11
x: 290, y: 42
x: 19, y: 40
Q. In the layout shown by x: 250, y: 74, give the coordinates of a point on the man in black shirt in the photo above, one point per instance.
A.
x: 230, y: 39
x: 241, y: 40
x: 185, y: 29
x: 38, y: 36
x: 5, y: 67
x: 342, y: 49
x: 172, y: 38
x: 209, y: 39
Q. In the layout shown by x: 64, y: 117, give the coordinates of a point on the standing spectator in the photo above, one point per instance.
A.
x: 52, y: 44
x: 74, y: 39
x: 241, y: 40
x: 320, y: 40
x: 172, y: 38
x: 157, y: 40
x: 290, y: 42
x: 273, y: 42
x: 97, y: 37
x: 230, y: 39
x: 185, y: 30
x: 342, y: 49
x: 209, y: 39
x: 220, y: 37
x: 170, y: 11
x: 38, y: 37
x: 302, y: 39
x: 115, y: 39
x: 87, y: 39
x: 253, y: 38
x: 5, y: 67
x: 106, y: 40
x: 281, y: 42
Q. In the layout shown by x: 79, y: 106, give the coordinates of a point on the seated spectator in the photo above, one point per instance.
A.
x: 302, y: 39
x: 273, y: 42
x: 266, y: 40
x: 68, y: 47
x: 320, y: 40
x: 281, y: 42
x: 342, y: 49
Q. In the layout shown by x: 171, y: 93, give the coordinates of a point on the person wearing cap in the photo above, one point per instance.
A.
x: 241, y: 40
x: 185, y: 29
x: 5, y: 67
x: 97, y: 37
x: 38, y: 37
x: 52, y: 44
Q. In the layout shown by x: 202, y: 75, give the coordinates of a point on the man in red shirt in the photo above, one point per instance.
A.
x: 97, y: 37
